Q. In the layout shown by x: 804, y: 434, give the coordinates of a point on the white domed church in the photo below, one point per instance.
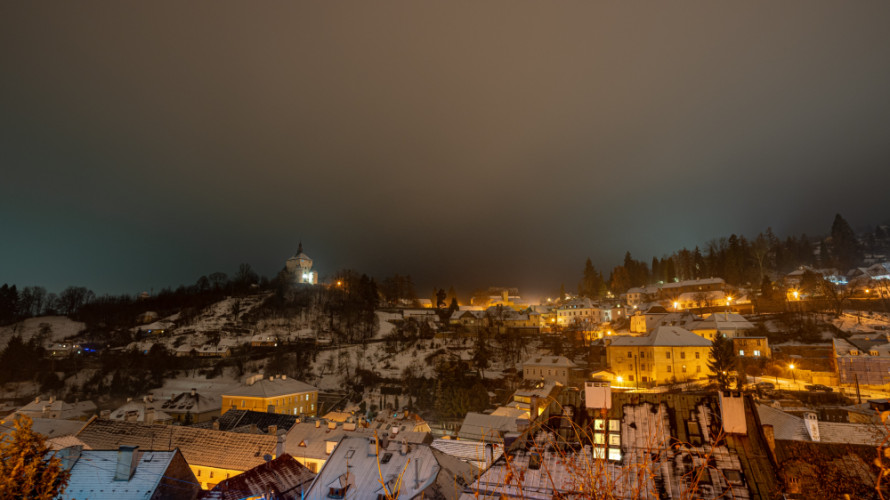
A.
x: 300, y: 267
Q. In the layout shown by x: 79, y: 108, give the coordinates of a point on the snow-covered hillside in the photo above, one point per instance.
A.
x: 54, y: 328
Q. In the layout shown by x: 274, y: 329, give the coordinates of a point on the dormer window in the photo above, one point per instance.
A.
x: 854, y: 352
x: 873, y: 352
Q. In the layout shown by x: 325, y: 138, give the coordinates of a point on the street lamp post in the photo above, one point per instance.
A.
x: 793, y: 377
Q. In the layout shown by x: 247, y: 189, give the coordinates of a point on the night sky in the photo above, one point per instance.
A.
x: 464, y: 143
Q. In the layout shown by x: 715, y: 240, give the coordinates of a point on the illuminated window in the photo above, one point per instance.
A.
x: 757, y: 353
x: 741, y: 352
x: 684, y: 368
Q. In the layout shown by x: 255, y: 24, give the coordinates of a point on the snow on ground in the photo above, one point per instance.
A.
x: 218, y: 315
x: 855, y: 322
x: 386, y: 327
x: 60, y: 327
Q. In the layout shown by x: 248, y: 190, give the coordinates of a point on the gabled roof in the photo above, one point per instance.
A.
x: 136, y: 410
x: 722, y: 321
x: 47, y: 427
x: 664, y: 336
x: 266, y: 388
x: 283, y: 475
x: 210, y: 448
x: 234, y: 419
x: 793, y: 428
x: 92, y: 475
x: 357, y: 465
x: 554, y: 361
x: 473, y: 452
x: 62, y: 409
x: 488, y: 428
x: 186, y: 402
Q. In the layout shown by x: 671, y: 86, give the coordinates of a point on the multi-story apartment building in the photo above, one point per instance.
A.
x: 667, y: 354
x: 277, y: 394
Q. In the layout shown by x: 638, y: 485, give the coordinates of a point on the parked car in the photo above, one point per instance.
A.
x: 765, y: 386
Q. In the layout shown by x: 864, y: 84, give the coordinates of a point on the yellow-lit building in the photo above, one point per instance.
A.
x: 667, y: 354
x: 277, y: 394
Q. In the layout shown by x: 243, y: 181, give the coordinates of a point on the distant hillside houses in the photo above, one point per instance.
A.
x: 675, y: 292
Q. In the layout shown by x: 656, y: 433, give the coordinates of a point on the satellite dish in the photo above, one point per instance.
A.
x: 267, y: 457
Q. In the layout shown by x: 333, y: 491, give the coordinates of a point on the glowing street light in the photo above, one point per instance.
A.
x: 792, y: 374
x: 676, y: 305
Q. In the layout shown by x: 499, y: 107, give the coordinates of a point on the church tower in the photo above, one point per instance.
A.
x: 300, y: 268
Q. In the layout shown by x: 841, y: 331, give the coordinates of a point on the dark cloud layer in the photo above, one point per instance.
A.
x: 465, y: 143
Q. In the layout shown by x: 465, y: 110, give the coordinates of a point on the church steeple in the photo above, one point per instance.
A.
x: 300, y: 248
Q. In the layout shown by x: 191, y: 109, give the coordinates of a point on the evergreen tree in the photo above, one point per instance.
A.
x: 27, y: 469
x: 723, y: 360
x: 592, y: 283
x: 844, y: 248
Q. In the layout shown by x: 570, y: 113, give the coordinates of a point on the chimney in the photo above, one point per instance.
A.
x: 489, y: 454
x: 284, y: 377
x: 405, y: 448
x: 732, y: 412
x: 105, y: 414
x: 127, y: 459
x: 52, y: 399
x: 812, y: 424
x: 216, y: 425
x: 272, y: 430
x: 372, y: 447
x: 149, y: 416
x: 194, y: 392
x: 128, y: 400
x: 37, y: 399
x: 394, y: 430
x: 279, y: 446
x: 317, y: 424
x: 253, y: 429
x: 598, y: 395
